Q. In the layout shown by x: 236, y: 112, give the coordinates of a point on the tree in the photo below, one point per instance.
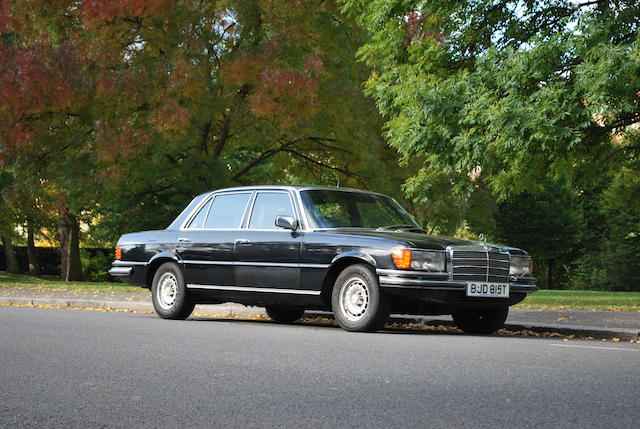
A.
x: 548, y: 224
x: 520, y: 90
x: 612, y: 250
x: 124, y: 110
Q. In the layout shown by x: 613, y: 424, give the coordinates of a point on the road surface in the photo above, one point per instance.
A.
x: 102, y: 369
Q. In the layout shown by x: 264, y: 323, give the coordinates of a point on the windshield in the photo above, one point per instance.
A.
x: 345, y: 209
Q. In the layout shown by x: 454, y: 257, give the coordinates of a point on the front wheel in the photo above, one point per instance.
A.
x: 357, y: 300
x: 481, y: 320
x: 169, y: 293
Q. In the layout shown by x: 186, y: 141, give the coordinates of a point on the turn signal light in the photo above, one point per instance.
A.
x: 530, y: 266
x: 401, y: 257
x: 118, y: 253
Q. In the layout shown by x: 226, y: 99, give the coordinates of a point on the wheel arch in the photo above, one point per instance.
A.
x: 155, y: 262
x: 338, y: 264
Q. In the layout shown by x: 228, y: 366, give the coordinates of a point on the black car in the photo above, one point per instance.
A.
x: 297, y: 248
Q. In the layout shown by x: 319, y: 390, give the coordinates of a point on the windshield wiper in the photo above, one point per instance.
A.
x: 401, y: 227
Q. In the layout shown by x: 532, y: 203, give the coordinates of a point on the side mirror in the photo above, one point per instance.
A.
x: 287, y: 222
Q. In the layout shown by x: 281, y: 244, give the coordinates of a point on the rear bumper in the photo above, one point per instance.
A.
x: 120, y: 271
x: 130, y: 272
x: 437, y: 289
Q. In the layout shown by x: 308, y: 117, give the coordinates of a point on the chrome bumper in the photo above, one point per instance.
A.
x: 120, y: 271
x: 418, y: 280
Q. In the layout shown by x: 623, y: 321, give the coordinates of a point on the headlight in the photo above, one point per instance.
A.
x: 521, y: 266
x: 418, y: 259
x: 429, y: 261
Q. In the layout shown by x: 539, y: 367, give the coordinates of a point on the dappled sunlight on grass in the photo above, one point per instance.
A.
x: 49, y: 283
x: 582, y: 300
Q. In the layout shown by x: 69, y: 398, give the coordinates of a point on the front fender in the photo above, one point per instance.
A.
x: 355, y: 255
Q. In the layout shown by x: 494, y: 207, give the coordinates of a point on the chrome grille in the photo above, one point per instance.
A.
x: 480, y: 265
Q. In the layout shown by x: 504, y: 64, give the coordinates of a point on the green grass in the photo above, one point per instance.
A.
x: 582, y: 300
x: 544, y: 299
x: 23, y: 281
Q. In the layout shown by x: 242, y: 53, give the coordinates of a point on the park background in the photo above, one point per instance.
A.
x: 515, y: 119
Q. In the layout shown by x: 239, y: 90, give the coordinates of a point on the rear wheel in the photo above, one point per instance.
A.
x: 357, y: 300
x: 169, y: 293
x: 284, y: 314
x: 481, y: 320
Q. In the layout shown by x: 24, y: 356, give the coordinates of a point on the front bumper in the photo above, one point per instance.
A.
x: 436, y: 288
x: 424, y: 280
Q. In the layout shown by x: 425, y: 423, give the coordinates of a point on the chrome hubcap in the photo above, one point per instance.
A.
x: 354, y: 299
x: 167, y: 290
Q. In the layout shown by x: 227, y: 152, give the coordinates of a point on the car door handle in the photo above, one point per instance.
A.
x: 242, y: 241
x: 184, y: 240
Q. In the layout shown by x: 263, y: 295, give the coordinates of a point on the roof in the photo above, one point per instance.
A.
x: 287, y: 187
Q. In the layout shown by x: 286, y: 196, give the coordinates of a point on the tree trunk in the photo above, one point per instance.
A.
x: 69, y: 237
x: 550, y: 284
x: 10, y: 256
x: 32, y: 254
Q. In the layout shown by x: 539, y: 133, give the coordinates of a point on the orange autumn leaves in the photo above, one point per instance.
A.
x: 282, y: 95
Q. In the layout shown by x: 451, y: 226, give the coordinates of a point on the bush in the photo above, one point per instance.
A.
x: 95, y: 264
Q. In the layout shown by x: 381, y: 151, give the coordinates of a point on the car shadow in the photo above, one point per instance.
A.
x: 331, y: 324
x: 394, y: 328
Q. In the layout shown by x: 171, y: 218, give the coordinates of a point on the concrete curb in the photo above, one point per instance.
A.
x: 578, y: 331
x: 240, y: 310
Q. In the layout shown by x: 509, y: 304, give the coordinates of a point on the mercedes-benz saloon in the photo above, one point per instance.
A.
x: 296, y: 248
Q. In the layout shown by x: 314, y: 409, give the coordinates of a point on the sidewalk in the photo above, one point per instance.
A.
x: 624, y: 325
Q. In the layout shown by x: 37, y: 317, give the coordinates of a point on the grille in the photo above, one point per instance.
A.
x: 469, y: 265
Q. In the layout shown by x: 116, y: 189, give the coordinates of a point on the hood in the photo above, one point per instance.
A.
x: 413, y: 239
x: 426, y: 241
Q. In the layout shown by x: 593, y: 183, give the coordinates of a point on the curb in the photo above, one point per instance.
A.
x: 595, y: 332
x: 240, y: 310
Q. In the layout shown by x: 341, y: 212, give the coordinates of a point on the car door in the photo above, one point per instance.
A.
x: 206, y: 243
x: 268, y: 256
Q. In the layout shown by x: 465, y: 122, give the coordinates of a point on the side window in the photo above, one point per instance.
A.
x: 268, y: 205
x: 198, y: 220
x: 227, y: 210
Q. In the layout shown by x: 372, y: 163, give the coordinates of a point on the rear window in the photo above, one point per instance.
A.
x: 227, y: 210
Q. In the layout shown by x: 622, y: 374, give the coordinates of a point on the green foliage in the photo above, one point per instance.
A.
x: 611, y: 261
x: 95, y: 266
x: 548, y: 224
x: 524, y: 90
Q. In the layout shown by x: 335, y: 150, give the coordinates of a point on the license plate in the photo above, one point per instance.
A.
x: 494, y: 290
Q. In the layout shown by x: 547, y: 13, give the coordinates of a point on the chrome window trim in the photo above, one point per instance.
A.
x: 211, y: 197
x: 254, y: 289
x: 255, y: 264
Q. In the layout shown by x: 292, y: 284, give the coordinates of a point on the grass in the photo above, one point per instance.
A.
x: 544, y: 299
x: 50, y: 283
x: 582, y: 300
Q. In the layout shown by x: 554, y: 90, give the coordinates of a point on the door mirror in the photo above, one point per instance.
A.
x: 287, y: 222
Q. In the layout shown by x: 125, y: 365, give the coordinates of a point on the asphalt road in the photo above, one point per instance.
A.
x: 95, y: 369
